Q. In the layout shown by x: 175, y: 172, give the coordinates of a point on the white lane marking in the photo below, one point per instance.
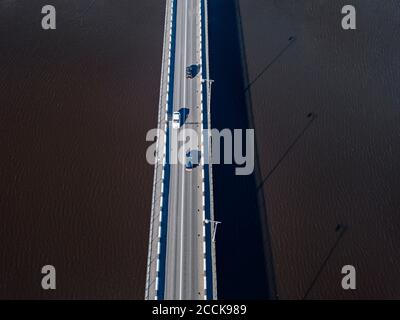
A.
x: 183, y: 166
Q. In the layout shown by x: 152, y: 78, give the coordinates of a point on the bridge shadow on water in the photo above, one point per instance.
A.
x: 244, y: 259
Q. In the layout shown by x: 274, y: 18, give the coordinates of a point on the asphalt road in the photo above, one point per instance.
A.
x: 184, y: 258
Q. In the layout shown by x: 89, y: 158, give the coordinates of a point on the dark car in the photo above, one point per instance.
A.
x: 188, y: 161
x: 191, y: 71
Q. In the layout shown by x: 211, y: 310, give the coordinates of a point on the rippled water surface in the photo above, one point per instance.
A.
x: 75, y: 187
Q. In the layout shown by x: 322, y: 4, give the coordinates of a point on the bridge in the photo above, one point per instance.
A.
x: 181, y: 259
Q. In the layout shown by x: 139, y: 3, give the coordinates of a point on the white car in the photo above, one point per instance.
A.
x: 176, y: 120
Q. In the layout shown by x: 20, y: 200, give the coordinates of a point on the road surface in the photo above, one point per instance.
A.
x: 184, y: 267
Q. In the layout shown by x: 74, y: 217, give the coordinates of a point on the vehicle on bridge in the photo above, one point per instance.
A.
x: 191, y: 71
x: 176, y: 120
x: 192, y: 159
x: 189, y: 161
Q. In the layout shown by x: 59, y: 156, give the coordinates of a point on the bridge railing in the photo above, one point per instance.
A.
x: 159, y: 210
x: 211, y: 281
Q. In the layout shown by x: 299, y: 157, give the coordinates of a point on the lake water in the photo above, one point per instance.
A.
x: 75, y: 187
x: 325, y: 107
